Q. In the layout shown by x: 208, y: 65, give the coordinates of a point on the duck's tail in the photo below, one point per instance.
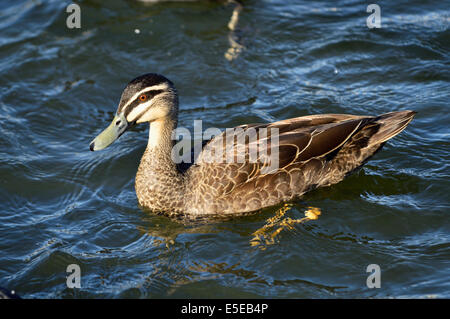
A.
x: 365, y: 143
x: 391, y: 124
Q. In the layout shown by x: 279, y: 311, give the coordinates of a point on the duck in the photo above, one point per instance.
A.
x: 294, y: 156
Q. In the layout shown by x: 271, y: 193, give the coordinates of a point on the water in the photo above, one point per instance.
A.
x: 61, y: 204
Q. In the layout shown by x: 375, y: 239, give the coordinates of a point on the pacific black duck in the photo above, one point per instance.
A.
x: 312, y: 151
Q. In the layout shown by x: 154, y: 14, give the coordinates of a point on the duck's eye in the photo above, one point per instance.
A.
x: 143, y: 97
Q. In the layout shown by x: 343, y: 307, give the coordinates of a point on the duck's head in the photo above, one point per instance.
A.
x: 147, y: 98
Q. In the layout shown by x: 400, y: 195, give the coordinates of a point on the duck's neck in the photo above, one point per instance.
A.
x: 160, y: 143
x: 159, y: 185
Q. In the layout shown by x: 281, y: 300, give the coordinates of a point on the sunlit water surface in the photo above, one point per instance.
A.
x: 61, y: 204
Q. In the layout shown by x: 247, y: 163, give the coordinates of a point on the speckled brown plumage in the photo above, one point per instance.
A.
x: 313, y: 151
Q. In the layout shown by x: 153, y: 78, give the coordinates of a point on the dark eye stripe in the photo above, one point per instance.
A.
x: 152, y: 94
x: 136, y: 102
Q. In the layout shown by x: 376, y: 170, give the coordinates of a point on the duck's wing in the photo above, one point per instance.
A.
x: 295, y: 140
x: 259, y: 165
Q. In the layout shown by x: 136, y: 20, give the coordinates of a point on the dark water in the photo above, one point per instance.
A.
x: 61, y: 204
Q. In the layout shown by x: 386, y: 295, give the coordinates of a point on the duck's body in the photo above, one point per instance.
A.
x: 313, y: 151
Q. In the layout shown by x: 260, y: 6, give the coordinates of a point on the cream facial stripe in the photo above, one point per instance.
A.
x: 163, y: 86
x: 137, y: 111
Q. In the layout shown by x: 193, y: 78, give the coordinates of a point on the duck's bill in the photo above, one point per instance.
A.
x: 117, y: 127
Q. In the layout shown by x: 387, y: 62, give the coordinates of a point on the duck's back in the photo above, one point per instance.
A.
x: 292, y: 157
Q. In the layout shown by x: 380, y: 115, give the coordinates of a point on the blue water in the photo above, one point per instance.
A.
x: 61, y: 204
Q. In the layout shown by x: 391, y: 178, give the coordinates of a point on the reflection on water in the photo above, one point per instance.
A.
x: 233, y: 37
x: 167, y: 235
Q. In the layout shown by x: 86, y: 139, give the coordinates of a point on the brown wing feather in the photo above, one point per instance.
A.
x: 300, y: 139
x: 313, y: 151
